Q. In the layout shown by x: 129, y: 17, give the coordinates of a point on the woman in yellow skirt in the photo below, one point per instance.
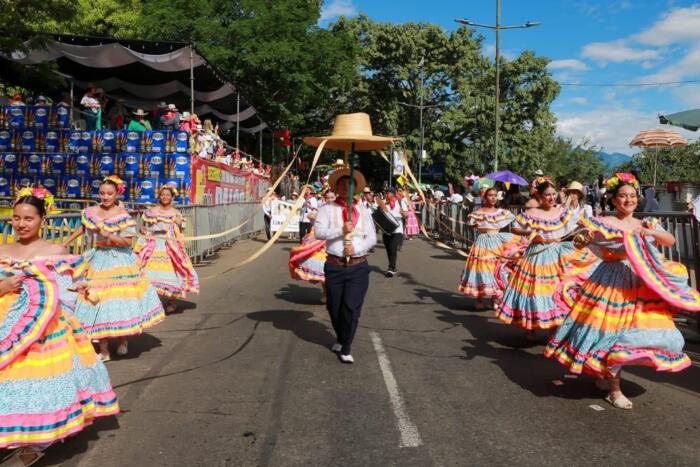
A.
x: 51, y: 384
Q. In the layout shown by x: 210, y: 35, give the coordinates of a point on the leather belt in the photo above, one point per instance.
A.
x: 339, y: 261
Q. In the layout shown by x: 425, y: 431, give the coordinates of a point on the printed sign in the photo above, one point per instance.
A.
x: 279, y: 212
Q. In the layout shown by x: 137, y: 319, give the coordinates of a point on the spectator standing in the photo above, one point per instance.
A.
x: 92, y: 108
x: 139, y: 122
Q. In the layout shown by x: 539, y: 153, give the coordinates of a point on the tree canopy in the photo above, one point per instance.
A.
x: 300, y: 75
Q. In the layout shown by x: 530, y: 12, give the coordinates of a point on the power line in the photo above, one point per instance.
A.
x: 629, y: 85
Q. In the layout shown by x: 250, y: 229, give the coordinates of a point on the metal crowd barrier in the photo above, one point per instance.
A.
x: 449, y: 222
x: 200, y: 220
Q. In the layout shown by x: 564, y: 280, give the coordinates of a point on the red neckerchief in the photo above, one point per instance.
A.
x: 392, y: 203
x: 355, y: 211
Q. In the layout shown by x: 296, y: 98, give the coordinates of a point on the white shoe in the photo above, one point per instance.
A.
x: 347, y: 359
x: 122, y: 350
x: 336, y: 348
x: 616, y: 398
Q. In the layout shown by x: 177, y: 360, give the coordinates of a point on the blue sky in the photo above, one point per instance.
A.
x: 589, y: 42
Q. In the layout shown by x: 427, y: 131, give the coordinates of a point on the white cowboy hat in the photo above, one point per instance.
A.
x: 172, y: 107
x: 140, y: 113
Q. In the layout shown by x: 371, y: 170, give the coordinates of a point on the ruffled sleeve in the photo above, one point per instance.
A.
x: 25, y: 315
x: 664, y: 277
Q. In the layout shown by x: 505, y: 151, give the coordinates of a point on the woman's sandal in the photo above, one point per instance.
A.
x: 170, y: 307
x: 618, y: 400
x: 14, y: 459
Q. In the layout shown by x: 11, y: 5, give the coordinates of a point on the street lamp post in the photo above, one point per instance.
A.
x: 498, y: 29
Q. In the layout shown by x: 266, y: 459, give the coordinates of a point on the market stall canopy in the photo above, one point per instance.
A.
x: 144, y: 73
x: 688, y: 119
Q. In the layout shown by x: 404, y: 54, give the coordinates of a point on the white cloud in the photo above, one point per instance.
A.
x: 687, y: 66
x: 616, y: 52
x: 568, y: 64
x: 579, y: 100
x: 610, y: 128
x: 678, y: 25
x: 335, y: 8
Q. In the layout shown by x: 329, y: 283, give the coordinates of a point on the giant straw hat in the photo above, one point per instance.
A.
x: 360, y: 182
x: 352, y: 128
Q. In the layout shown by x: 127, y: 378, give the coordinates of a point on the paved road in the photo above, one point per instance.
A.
x: 244, y: 377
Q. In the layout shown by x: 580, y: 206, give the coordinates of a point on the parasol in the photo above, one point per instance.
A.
x: 658, y: 138
x: 506, y: 176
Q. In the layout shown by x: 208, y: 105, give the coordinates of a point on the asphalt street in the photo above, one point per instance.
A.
x: 243, y: 376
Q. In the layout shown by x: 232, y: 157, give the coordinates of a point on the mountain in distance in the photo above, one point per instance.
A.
x: 613, y: 159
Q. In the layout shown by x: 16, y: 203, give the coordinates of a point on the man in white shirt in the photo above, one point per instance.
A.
x: 346, y: 268
x: 308, y: 212
x: 397, y: 209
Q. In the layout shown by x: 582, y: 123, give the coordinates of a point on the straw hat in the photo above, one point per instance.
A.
x: 360, y: 182
x: 338, y: 164
x: 140, y: 113
x: 352, y: 128
x: 367, y: 190
x: 186, y: 115
x: 172, y: 107
x: 575, y: 186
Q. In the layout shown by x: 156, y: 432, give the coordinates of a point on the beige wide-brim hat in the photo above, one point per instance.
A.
x: 339, y: 164
x: 360, y: 182
x: 352, y: 128
x: 140, y: 113
x: 575, y: 186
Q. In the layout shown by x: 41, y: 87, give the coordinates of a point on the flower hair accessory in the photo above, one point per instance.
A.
x: 539, y: 180
x: 121, y: 186
x: 619, y: 178
x: 172, y: 189
x: 38, y: 192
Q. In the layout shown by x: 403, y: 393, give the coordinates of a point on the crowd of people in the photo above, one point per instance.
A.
x: 54, y: 306
x: 591, y: 280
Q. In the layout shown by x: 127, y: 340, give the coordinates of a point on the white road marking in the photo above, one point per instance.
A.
x: 410, y: 438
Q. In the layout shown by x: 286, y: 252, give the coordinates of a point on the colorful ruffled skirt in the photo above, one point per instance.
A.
x: 167, y: 266
x: 615, y: 320
x: 412, y: 227
x: 55, y: 386
x: 528, y: 300
x: 126, y: 302
x: 478, y: 278
x: 306, y: 261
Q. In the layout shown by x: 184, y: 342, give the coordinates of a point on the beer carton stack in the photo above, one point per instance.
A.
x: 38, y: 147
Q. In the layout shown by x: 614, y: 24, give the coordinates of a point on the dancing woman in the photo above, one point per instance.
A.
x: 126, y: 302
x: 478, y: 278
x: 411, y: 228
x: 162, y: 257
x: 51, y: 384
x: 623, y: 313
x: 306, y: 261
x: 527, y: 301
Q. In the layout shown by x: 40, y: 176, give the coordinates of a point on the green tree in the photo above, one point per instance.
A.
x: 672, y: 164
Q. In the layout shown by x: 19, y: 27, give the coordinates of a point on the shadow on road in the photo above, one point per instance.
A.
x: 294, y: 293
x: 507, y: 347
x: 62, y: 453
x: 138, y: 344
x: 298, y: 322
